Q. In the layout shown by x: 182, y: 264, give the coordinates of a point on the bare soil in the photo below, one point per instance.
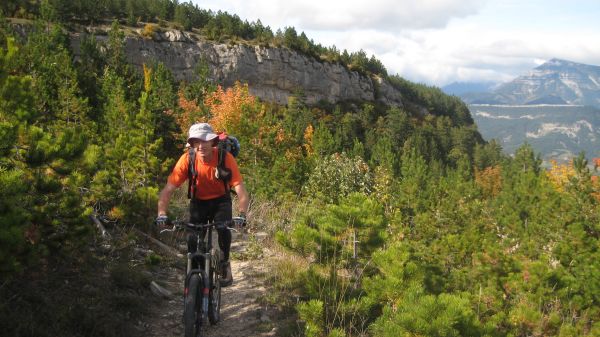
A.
x: 244, y: 310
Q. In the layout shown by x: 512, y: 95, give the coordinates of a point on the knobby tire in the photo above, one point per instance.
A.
x: 214, y: 297
x: 192, y: 316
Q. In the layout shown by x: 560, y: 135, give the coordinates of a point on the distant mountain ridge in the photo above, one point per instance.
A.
x: 554, y: 82
x: 461, y: 88
x: 557, y: 132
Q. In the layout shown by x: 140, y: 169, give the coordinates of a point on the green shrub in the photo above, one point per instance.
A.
x: 430, y: 315
x: 312, y: 313
x: 337, y: 176
x: 327, y: 233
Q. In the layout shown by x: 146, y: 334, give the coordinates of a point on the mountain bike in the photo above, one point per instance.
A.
x: 202, y: 291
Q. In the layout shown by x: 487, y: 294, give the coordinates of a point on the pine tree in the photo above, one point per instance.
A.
x: 131, y: 167
x: 16, y: 112
x: 162, y: 99
x: 414, y: 182
x: 323, y: 142
x: 382, y: 154
x: 39, y: 164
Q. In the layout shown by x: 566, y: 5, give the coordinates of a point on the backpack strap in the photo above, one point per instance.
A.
x: 223, y: 173
x: 192, y: 173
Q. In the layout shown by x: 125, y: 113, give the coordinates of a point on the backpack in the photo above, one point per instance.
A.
x: 225, y: 143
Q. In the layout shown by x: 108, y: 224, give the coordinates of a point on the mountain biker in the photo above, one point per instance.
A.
x: 211, y: 200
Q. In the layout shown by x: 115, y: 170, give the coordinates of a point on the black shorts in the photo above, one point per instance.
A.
x: 217, y: 210
x: 202, y: 211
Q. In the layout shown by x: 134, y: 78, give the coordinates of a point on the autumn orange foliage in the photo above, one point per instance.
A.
x: 188, y: 113
x: 490, y: 180
x: 308, y: 139
x: 226, y: 106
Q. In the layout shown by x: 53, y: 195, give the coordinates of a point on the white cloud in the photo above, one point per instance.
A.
x: 386, y: 15
x: 440, y: 41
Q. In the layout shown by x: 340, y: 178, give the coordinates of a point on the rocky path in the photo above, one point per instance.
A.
x: 242, y: 313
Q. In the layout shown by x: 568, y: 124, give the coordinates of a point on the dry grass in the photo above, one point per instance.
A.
x: 271, y: 216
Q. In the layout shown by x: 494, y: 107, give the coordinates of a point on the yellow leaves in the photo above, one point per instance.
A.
x: 559, y: 174
x: 489, y: 180
x: 147, y: 77
x: 308, y: 139
x: 149, y: 30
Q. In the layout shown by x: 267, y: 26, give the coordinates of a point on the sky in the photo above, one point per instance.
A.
x: 438, y: 42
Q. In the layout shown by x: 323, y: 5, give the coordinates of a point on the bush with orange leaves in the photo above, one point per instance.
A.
x: 489, y: 180
x: 188, y: 113
x: 238, y: 113
x: 226, y: 106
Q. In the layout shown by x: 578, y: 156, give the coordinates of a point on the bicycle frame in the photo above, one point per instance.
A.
x: 203, y: 258
x: 205, y: 277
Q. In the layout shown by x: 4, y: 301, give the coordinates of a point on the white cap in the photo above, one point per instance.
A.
x: 202, y: 131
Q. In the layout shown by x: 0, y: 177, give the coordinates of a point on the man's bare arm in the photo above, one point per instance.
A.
x: 243, y: 197
x: 164, y: 197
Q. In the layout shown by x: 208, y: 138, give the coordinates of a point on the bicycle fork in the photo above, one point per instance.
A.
x: 205, y: 281
x: 206, y: 289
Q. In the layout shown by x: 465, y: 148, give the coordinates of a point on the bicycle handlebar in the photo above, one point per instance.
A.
x: 179, y: 225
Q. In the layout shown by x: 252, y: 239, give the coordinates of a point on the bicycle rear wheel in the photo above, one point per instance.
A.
x: 214, y: 295
x: 192, y: 314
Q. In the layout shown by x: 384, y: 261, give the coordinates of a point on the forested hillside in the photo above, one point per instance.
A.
x: 393, y: 222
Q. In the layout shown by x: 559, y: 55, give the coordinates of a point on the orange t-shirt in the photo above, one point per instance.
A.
x: 207, y: 185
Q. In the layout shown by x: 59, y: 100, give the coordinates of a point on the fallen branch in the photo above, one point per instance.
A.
x: 162, y: 246
x: 105, y: 234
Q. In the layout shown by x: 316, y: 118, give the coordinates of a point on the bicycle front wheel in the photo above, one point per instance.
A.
x: 192, y: 314
x: 214, y: 295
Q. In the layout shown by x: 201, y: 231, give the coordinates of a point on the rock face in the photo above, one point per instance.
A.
x: 272, y: 74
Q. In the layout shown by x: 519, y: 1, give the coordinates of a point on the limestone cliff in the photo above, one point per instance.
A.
x: 272, y: 74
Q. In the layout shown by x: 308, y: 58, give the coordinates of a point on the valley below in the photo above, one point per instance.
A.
x: 557, y: 132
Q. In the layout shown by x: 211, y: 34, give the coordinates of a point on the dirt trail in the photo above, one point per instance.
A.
x: 242, y: 314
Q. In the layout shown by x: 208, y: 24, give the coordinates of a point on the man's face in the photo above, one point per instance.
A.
x: 204, y: 147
